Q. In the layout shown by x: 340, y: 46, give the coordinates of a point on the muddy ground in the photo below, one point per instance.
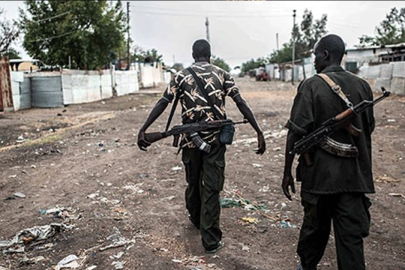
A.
x: 116, y: 207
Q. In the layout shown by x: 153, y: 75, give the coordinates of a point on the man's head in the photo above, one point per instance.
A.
x: 329, y: 50
x: 201, y: 50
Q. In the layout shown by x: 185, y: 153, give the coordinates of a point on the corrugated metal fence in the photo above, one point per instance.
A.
x: 56, y: 89
x: 390, y: 75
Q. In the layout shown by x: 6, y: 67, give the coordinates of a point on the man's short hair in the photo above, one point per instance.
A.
x: 201, y: 48
x: 333, y: 44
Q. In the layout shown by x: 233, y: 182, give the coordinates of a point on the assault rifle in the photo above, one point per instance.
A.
x: 193, y: 130
x: 342, y: 120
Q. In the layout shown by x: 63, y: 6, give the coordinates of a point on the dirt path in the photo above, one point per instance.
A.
x: 112, y: 205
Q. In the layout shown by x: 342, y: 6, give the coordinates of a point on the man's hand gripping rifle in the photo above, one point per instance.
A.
x: 342, y: 120
x: 193, y: 130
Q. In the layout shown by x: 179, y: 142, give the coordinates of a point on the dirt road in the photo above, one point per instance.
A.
x: 77, y: 173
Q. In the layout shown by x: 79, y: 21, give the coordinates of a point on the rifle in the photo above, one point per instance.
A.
x: 342, y: 120
x: 193, y: 130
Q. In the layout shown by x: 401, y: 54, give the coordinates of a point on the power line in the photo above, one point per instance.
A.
x: 217, y: 16
x: 207, y: 11
x: 50, y: 38
x: 53, y: 17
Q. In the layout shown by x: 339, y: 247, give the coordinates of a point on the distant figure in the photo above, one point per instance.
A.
x: 334, y: 186
x: 204, y: 171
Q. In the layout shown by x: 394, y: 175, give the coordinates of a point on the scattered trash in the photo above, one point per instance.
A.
x: 277, y: 149
x: 256, y: 165
x: 396, y: 195
x: 176, y: 168
x: 177, y: 261
x: 118, y: 265
x: 245, y: 248
x: 58, y: 212
x: 391, y: 120
x: 91, y: 267
x: 36, y: 233
x: 265, y: 188
x: 386, y: 179
x: 136, y: 188
x: 117, y: 240
x: 68, y: 259
x: 250, y: 220
x: 20, y: 139
x: 168, y: 198
x: 243, y: 203
x: 143, y: 175
x: 119, y: 255
x: 26, y: 261
x: 286, y: 224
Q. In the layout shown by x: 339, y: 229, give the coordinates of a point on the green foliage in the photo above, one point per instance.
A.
x: 12, y: 54
x: 8, y: 33
x: 305, y: 37
x: 390, y: 31
x: 252, y: 64
x: 219, y: 62
x: 90, y: 32
x: 140, y: 55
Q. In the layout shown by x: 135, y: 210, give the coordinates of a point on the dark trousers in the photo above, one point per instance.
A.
x: 351, y: 223
x: 205, y: 178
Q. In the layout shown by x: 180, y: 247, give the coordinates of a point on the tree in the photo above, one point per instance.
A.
x: 87, y: 33
x: 12, y: 54
x: 219, y: 62
x: 140, y: 55
x: 390, y: 31
x: 8, y: 33
x: 304, y: 37
x: 252, y: 64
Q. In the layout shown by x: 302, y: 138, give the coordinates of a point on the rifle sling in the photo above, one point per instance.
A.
x: 205, y: 94
x: 169, y: 120
x: 336, y: 89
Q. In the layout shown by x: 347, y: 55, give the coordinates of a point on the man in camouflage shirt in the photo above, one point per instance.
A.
x: 204, y: 171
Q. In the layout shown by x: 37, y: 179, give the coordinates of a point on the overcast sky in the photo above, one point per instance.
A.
x: 238, y: 30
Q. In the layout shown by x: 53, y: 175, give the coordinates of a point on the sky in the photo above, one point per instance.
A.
x: 238, y: 30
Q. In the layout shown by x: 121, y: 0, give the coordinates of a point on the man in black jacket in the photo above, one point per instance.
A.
x: 333, y: 188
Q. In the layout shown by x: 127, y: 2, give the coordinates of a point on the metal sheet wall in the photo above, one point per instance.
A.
x: 46, y: 92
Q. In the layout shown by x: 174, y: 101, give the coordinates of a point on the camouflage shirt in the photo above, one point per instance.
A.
x: 195, y: 108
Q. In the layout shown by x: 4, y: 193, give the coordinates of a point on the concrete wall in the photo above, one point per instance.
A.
x: 126, y: 82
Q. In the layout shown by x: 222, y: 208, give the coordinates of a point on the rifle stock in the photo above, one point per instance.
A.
x: 155, y: 136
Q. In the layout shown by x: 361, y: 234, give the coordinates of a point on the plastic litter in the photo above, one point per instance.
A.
x: 35, y: 233
x: 243, y: 203
x: 286, y: 224
x: 68, y: 259
x: 250, y: 220
x: 176, y: 168
x: 118, y: 265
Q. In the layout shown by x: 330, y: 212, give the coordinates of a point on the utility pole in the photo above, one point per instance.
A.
x: 293, y: 49
x: 129, y: 55
x: 208, y: 30
x: 277, y: 40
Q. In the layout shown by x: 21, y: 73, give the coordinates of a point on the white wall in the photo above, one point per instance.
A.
x: 17, y: 77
